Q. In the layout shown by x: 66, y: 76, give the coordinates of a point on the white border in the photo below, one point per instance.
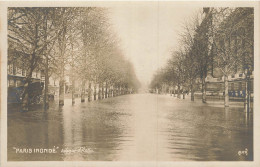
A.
x: 3, y: 49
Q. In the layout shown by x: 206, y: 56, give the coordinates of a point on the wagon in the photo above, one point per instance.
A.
x: 35, y: 93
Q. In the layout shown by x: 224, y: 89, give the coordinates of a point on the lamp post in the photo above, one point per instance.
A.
x: 247, y: 96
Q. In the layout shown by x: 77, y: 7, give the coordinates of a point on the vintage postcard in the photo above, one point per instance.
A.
x: 129, y: 83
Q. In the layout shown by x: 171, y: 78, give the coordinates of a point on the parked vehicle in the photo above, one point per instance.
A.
x: 35, y: 93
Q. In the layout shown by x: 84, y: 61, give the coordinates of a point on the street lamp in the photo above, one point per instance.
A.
x: 247, y: 96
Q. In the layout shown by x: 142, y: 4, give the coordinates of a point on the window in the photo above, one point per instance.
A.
x: 220, y: 86
x: 23, y: 72
x: 33, y: 74
x: 19, y: 83
x: 14, y: 70
x: 240, y: 86
x: 10, y: 69
x: 19, y: 71
x: 11, y: 83
x: 232, y: 86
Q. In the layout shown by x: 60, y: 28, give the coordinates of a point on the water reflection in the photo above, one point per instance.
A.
x: 203, y: 133
x: 133, y: 127
x: 33, y: 130
x: 97, y: 126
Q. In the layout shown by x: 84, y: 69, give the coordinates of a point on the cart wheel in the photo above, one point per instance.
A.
x: 32, y: 100
x: 38, y: 100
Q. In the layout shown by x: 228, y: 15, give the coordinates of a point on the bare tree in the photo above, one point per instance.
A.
x: 229, y: 52
x: 68, y: 40
x: 26, y: 36
x: 190, y: 60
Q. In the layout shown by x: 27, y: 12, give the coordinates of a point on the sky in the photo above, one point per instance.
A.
x: 148, y: 32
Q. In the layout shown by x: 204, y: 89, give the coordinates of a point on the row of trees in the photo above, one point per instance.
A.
x: 217, y: 42
x: 75, y: 41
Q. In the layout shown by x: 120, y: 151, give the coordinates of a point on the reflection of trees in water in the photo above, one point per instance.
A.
x: 94, y: 128
x: 210, y: 134
x: 195, y: 132
x: 36, y: 129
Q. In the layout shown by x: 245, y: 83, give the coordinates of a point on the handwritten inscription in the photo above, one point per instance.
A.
x: 77, y: 150
x: 245, y: 152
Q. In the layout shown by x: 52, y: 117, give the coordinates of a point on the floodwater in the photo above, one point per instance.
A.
x: 137, y: 127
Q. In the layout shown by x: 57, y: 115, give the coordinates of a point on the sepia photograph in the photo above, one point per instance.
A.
x: 149, y: 83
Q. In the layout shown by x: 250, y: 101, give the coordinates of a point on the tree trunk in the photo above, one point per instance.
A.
x: 89, y: 92
x: 83, y: 91
x: 226, y: 91
x: 249, y: 96
x: 46, y: 88
x: 46, y: 82
x: 95, y: 92
x: 109, y: 91
x: 73, y: 92
x: 183, y: 94
x: 61, y: 92
x: 25, y: 100
x: 106, y: 91
x: 203, y: 90
x: 25, y: 96
x: 179, y: 92
x: 247, y: 103
x: 114, y: 91
x: 99, y: 92
x: 62, y: 48
x: 102, y: 97
x: 192, y: 94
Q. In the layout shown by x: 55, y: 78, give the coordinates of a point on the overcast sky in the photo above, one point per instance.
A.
x: 149, y: 32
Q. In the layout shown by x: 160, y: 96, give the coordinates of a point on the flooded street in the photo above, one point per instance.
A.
x: 137, y: 127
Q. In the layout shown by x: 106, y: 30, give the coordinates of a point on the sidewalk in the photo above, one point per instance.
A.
x: 214, y: 101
